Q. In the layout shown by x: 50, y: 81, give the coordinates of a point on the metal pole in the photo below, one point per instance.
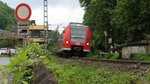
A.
x: 46, y: 23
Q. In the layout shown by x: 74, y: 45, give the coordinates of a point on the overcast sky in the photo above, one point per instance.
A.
x: 60, y: 11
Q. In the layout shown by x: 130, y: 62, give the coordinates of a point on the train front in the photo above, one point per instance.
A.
x: 80, y: 37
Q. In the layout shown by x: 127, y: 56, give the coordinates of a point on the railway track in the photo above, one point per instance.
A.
x: 112, y: 61
x: 121, y: 61
x: 119, y: 65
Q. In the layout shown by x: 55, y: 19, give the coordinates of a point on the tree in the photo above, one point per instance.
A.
x: 7, y: 17
x: 8, y: 42
x: 124, y: 20
x: 53, y: 36
x: 98, y: 16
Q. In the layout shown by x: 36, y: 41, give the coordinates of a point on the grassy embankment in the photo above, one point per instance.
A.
x: 22, y: 64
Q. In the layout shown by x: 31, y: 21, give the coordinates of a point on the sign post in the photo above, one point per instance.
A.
x: 23, y: 13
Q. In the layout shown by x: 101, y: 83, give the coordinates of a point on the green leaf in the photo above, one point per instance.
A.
x: 24, y: 82
x: 5, y: 81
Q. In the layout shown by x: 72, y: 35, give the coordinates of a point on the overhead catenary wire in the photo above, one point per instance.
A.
x: 72, y: 11
x: 69, y: 14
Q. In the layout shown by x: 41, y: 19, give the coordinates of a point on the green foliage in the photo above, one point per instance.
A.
x: 124, y: 20
x: 98, y: 16
x: 101, y: 55
x: 148, y: 75
x: 53, y: 35
x: 8, y: 42
x: 7, y: 17
x: 113, y: 56
x: 141, y: 57
x: 93, y: 55
x: 128, y: 18
x: 22, y: 63
x: 71, y: 73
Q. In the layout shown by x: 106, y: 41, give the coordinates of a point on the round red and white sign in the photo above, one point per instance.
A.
x: 23, y: 12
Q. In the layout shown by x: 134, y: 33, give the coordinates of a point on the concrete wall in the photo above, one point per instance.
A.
x: 128, y: 50
x: 148, y: 49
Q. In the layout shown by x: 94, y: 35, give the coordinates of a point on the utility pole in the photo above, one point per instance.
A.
x: 46, y: 23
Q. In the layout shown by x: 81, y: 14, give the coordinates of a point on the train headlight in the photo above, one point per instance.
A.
x: 67, y: 42
x: 88, y: 44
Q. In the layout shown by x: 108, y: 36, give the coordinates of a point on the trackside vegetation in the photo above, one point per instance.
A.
x: 20, y: 69
x: 69, y: 73
x: 140, y: 57
x: 22, y: 64
x: 125, y: 21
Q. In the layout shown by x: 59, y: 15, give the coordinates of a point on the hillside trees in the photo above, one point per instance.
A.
x: 125, y: 21
x: 7, y: 17
x: 8, y: 42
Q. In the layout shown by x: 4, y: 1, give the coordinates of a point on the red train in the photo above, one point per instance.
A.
x: 74, y: 40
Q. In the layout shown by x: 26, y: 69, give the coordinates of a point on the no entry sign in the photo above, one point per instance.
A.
x: 23, y: 12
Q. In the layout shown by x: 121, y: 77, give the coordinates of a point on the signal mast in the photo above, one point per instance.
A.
x: 46, y: 23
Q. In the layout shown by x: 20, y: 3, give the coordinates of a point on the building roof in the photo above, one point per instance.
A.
x: 36, y: 27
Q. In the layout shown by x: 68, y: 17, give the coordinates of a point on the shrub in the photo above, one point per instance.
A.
x: 22, y: 63
x: 8, y: 42
x: 140, y: 56
x: 113, y: 56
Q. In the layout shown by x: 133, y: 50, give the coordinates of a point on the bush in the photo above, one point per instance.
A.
x: 8, y: 42
x: 113, y: 56
x: 22, y: 63
x: 148, y: 75
x: 140, y: 56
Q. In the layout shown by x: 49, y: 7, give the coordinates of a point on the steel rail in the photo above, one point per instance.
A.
x: 121, y: 61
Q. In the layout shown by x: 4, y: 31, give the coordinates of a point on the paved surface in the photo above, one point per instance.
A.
x: 4, y: 61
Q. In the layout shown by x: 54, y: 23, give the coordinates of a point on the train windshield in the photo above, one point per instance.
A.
x: 78, y: 33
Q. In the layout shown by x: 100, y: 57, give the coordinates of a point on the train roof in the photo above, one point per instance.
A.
x: 77, y: 24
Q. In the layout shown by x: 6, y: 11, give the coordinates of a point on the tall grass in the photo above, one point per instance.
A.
x: 140, y: 57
